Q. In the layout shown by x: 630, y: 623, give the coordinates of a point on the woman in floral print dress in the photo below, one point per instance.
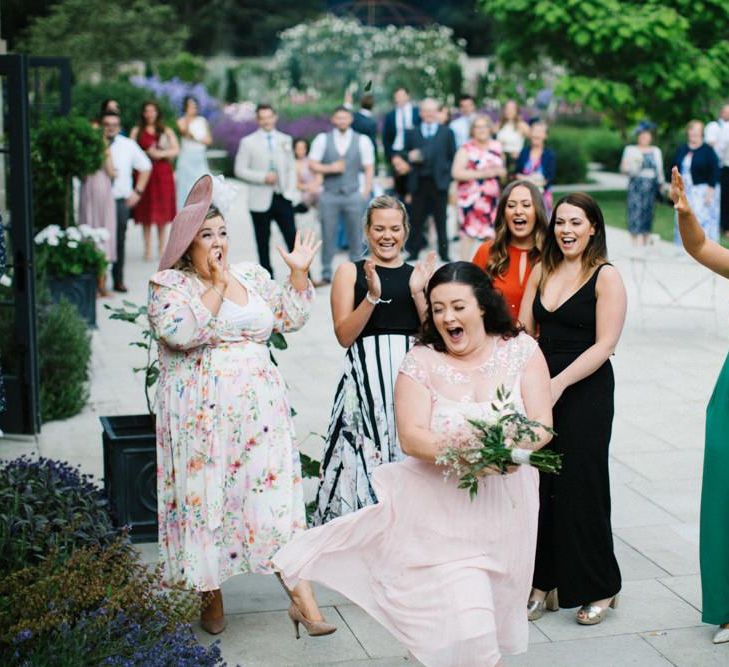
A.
x: 229, y: 479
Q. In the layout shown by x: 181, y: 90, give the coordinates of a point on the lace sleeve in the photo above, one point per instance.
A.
x: 414, y: 367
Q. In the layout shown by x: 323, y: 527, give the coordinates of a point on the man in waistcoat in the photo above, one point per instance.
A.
x: 342, y: 156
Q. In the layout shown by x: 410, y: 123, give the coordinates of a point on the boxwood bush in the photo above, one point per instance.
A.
x: 571, y: 156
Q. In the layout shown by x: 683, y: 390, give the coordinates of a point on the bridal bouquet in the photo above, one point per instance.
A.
x: 494, y: 444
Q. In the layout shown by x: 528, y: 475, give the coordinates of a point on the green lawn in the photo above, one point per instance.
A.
x: 612, y: 203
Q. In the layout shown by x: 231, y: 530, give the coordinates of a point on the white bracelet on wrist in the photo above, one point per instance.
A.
x: 374, y: 301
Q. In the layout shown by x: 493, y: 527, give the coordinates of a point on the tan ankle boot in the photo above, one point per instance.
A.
x: 212, y: 616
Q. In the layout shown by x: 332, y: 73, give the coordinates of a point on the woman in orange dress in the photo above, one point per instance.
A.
x: 521, y: 224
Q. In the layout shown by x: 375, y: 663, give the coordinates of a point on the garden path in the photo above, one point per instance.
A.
x: 665, y: 367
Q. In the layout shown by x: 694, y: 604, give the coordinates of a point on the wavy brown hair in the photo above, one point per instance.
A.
x: 498, y: 263
x: 596, y: 251
x: 159, y: 125
x: 496, y: 316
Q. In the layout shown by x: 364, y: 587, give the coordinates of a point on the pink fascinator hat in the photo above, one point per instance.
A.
x: 187, y: 222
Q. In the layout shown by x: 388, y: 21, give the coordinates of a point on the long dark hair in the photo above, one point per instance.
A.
x: 596, y: 251
x: 498, y: 263
x: 159, y: 126
x: 496, y: 317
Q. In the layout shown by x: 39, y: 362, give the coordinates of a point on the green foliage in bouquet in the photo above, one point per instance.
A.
x: 61, y: 148
x: 48, y: 508
x: 495, y: 445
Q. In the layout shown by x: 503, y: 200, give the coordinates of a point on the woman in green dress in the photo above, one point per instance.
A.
x: 714, y: 541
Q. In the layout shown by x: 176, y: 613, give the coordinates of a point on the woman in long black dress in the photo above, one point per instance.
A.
x: 377, y: 304
x: 575, y: 302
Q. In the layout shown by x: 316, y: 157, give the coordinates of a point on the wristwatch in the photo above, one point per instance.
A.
x: 138, y: 191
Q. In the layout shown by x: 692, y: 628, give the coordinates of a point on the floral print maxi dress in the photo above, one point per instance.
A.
x: 228, y: 473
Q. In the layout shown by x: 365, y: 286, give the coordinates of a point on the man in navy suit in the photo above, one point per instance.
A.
x: 364, y: 122
x: 402, y: 118
x: 428, y: 153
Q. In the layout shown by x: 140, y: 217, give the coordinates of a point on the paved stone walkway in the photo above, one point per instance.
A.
x: 665, y: 367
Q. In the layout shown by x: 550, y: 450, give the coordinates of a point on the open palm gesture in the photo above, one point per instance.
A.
x: 305, y: 249
x: 678, y: 192
x: 421, y: 273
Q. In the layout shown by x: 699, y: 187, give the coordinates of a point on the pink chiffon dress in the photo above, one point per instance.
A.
x: 448, y: 576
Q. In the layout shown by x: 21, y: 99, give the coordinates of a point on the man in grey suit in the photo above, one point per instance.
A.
x: 265, y: 161
x: 346, y: 160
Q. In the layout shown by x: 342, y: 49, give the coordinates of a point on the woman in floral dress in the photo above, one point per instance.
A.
x: 229, y: 479
x: 477, y: 168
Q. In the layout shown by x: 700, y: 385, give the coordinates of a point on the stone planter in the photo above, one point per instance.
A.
x: 130, y: 473
x: 80, y: 291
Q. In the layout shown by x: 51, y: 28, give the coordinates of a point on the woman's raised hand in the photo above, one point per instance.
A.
x: 421, y: 273
x: 305, y: 249
x: 216, y: 268
x: 677, y: 192
x: 374, y: 286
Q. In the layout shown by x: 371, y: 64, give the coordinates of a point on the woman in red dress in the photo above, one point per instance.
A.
x: 521, y: 226
x: 157, y: 205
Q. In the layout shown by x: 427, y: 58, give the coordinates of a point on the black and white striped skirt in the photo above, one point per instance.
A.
x: 362, y: 433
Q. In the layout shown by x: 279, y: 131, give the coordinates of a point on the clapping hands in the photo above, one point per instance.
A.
x: 300, y: 258
x: 421, y: 273
x: 677, y: 193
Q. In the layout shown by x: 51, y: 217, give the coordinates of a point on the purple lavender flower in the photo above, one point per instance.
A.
x: 176, y: 90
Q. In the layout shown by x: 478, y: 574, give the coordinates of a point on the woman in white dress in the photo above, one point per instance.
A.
x: 192, y: 161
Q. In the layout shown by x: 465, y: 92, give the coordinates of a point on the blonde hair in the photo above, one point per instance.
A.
x: 481, y: 117
x: 385, y: 202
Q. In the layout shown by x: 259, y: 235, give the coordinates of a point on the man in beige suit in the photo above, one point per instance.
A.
x: 265, y: 161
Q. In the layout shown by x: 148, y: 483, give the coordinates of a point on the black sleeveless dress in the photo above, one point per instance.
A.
x: 575, y: 542
x: 362, y: 433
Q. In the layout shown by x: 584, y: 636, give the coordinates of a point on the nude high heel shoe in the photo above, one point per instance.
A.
x: 313, y: 628
x: 595, y: 614
x: 722, y: 634
x: 535, y: 608
x: 212, y: 615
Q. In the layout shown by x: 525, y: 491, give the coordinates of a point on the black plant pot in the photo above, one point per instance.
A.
x: 130, y: 473
x: 80, y: 291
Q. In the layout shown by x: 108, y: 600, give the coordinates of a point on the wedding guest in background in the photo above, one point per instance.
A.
x: 192, y: 161
x: 428, y: 153
x: 308, y: 183
x: 521, y: 227
x: 405, y: 116
x: 157, y: 206
x: 126, y: 156
x: 446, y: 575
x: 575, y: 301
x: 643, y: 163
x: 97, y: 208
x: 444, y: 114
x: 714, y: 537
x: 265, y: 161
x: 461, y: 126
x: 363, y: 120
x: 717, y: 136
x: 699, y: 169
x: 340, y: 156
x: 229, y: 482
x: 377, y: 305
x: 477, y: 169
x: 512, y: 132
x: 538, y: 163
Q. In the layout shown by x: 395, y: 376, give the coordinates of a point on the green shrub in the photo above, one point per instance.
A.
x: 99, y: 606
x: 604, y: 146
x: 184, y: 66
x: 570, y: 153
x: 64, y: 345
x: 61, y: 148
x: 47, y: 507
x: 87, y: 99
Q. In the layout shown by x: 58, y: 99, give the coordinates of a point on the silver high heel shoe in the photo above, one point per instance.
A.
x: 594, y: 614
x: 721, y: 636
x: 535, y: 608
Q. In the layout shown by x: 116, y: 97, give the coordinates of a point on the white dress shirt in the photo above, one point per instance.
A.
x: 127, y: 156
x: 462, y: 129
x: 716, y: 135
x: 403, y: 121
x: 342, y: 140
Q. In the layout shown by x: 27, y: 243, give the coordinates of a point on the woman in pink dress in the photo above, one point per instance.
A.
x: 446, y: 575
x: 477, y: 168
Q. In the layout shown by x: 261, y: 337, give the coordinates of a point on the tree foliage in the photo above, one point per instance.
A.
x: 666, y: 59
x: 101, y: 34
